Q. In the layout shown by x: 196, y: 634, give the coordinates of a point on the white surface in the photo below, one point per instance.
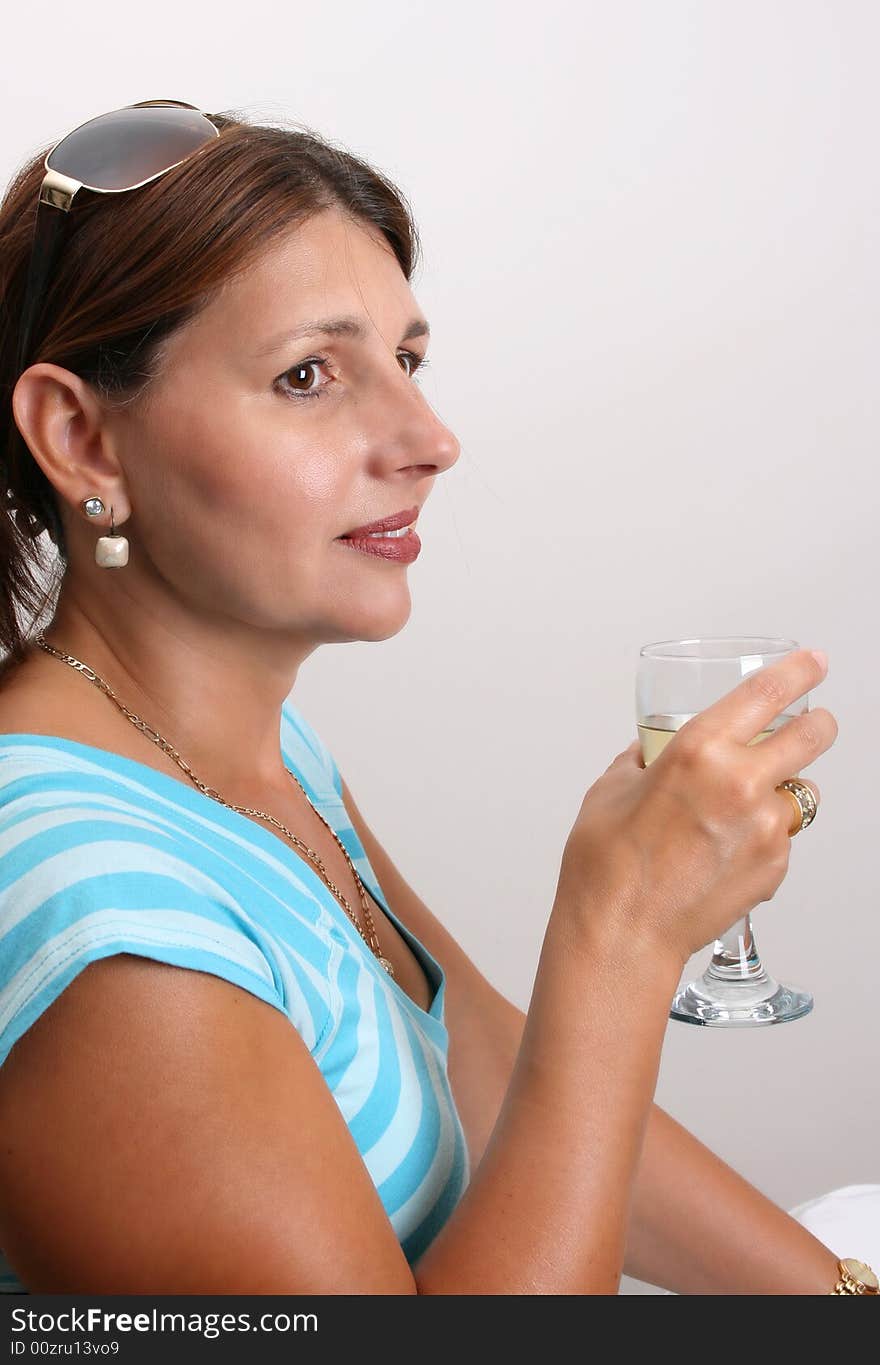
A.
x: 652, y: 278
x: 847, y: 1221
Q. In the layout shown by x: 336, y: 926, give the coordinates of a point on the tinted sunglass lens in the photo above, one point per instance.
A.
x: 122, y: 149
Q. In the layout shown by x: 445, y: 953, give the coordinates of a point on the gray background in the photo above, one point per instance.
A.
x: 651, y: 274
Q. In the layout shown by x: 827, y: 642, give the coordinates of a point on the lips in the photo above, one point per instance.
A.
x: 392, y: 523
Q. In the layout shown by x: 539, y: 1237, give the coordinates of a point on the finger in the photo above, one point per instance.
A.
x: 794, y: 744
x: 761, y: 696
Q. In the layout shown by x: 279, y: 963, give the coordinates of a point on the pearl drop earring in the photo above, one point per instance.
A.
x: 111, y: 552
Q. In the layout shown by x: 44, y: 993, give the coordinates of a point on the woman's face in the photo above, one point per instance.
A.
x: 251, y: 453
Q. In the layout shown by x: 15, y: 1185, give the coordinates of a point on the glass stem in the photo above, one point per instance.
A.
x: 735, y: 956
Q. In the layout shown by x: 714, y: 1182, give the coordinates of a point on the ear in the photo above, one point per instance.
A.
x: 65, y: 426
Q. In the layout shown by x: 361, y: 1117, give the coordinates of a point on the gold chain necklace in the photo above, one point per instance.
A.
x: 370, y: 937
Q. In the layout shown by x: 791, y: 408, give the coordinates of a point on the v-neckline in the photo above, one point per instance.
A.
x: 433, y: 970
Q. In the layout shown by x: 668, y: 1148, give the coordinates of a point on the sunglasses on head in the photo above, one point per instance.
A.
x: 109, y: 154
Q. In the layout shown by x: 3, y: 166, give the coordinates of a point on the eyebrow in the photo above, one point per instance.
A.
x: 348, y: 326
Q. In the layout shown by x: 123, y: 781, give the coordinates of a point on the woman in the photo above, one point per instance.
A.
x: 224, y: 376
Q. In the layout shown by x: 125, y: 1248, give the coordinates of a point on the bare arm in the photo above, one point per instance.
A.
x: 548, y: 1209
x: 699, y: 1228
x: 168, y: 1132
x: 695, y: 1225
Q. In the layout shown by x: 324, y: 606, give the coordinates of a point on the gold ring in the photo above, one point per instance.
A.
x: 804, y: 801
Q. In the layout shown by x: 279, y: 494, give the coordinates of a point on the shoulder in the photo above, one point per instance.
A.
x: 95, y: 863
x: 303, y: 744
x: 165, y: 1133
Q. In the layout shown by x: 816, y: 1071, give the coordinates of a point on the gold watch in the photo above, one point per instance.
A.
x: 855, y: 1278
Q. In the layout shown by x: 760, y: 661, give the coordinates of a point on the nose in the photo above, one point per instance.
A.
x: 446, y: 445
x: 422, y: 436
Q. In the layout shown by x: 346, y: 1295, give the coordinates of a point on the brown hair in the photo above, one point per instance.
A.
x: 135, y: 267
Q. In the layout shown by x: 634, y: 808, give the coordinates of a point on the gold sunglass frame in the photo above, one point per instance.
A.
x: 58, y: 192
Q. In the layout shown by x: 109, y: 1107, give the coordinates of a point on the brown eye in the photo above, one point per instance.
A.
x: 302, y: 374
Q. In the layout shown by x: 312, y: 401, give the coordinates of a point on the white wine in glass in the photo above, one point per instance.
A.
x: 676, y: 680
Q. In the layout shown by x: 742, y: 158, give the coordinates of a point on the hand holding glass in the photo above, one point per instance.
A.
x: 676, y: 680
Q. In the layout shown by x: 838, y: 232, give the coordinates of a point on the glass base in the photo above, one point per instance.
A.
x: 745, y: 1003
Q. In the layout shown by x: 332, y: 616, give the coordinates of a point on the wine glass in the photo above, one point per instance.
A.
x: 675, y: 680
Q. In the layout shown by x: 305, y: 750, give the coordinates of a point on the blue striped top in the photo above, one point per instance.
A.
x: 100, y: 854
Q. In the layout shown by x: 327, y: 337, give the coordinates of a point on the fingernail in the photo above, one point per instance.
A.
x: 820, y: 656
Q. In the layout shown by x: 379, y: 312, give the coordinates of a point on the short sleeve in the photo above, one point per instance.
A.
x: 82, y: 879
